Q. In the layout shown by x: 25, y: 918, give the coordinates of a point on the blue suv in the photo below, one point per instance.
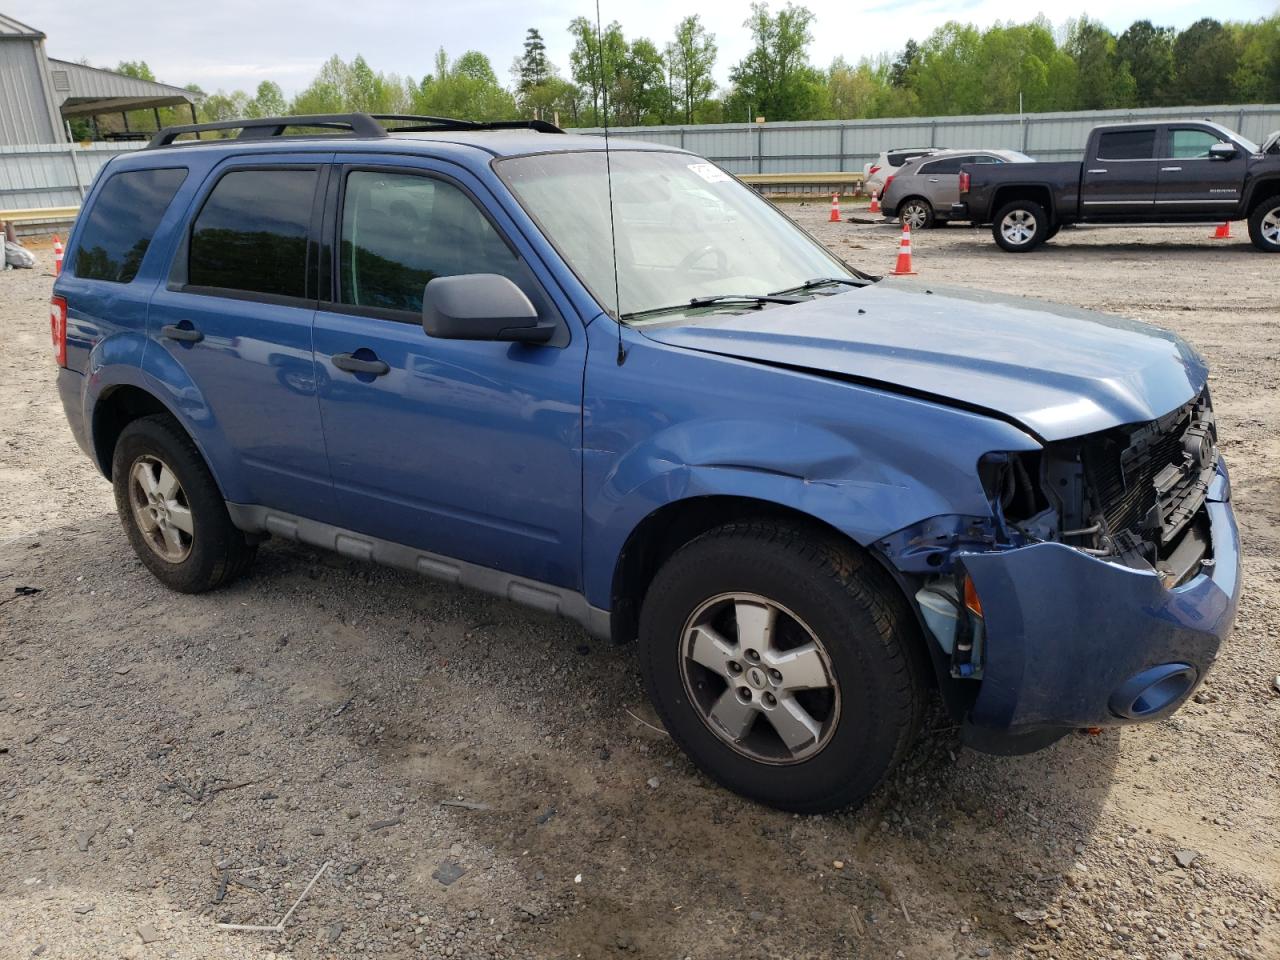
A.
x: 619, y: 386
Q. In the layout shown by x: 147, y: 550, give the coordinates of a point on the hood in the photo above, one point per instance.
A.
x: 1057, y: 371
x: 1272, y: 143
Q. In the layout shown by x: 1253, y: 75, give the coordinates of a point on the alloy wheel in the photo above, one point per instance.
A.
x: 1271, y: 226
x: 915, y: 215
x: 160, y: 509
x: 1018, y: 227
x: 759, y: 678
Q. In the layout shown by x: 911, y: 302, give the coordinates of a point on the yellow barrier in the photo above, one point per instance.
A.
x: 39, y: 213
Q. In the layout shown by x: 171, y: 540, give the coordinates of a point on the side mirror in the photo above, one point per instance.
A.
x: 481, y: 306
x: 1222, y: 151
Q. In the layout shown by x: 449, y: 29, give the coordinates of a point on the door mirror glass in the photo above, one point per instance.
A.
x: 481, y: 306
x: 1222, y: 151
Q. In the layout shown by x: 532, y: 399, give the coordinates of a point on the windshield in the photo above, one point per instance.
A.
x: 685, y: 228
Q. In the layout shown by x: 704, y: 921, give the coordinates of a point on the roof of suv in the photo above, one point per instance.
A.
x: 364, y: 132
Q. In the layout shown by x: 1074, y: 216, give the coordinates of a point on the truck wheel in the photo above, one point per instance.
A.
x: 782, y: 664
x: 1264, y: 225
x: 1020, y: 225
x: 172, y: 510
x: 916, y: 213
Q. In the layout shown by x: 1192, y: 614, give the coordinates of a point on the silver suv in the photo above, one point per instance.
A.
x: 921, y: 191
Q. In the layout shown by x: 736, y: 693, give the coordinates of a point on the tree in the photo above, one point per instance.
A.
x: 775, y: 79
x: 137, y: 69
x: 1107, y: 80
x: 1147, y: 50
x: 691, y: 57
x: 900, y: 72
x: 533, y: 68
x: 641, y: 94
x: 1204, y: 58
x: 1257, y: 77
x: 585, y: 65
x: 269, y: 101
x: 466, y: 88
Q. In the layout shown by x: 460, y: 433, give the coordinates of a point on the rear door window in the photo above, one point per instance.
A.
x: 122, y: 222
x: 251, y: 235
x: 945, y: 165
x: 1127, y: 145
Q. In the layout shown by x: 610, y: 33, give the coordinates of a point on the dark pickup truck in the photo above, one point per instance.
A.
x: 1173, y: 172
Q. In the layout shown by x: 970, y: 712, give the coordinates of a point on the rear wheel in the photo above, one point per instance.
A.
x: 172, y: 510
x: 916, y: 213
x: 781, y: 663
x: 1264, y: 225
x: 1020, y: 225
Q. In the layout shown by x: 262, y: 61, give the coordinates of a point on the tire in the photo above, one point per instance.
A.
x: 1033, y: 229
x: 918, y: 211
x: 1264, y: 225
x: 865, y: 648
x: 163, y: 486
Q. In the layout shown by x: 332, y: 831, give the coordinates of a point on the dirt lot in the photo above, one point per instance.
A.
x: 171, y: 762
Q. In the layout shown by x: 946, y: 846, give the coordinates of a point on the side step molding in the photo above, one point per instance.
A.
x: 570, y: 604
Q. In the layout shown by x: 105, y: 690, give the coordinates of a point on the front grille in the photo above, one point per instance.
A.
x: 1150, y: 480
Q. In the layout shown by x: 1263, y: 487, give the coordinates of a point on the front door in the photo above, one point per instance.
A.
x: 236, y: 315
x: 469, y: 449
x: 1192, y: 181
x: 1120, y: 181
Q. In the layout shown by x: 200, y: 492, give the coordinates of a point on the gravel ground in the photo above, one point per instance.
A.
x: 484, y: 782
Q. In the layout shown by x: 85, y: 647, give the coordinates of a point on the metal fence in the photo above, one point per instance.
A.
x: 59, y: 175
x: 845, y: 145
x: 52, y: 175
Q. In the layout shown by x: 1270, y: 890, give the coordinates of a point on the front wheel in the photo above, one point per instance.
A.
x: 782, y: 664
x: 916, y: 214
x: 1020, y: 225
x: 1264, y: 225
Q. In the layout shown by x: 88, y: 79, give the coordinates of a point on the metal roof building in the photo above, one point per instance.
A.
x: 39, y: 94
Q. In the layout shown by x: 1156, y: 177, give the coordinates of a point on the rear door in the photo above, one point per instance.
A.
x: 1120, y: 181
x: 468, y: 449
x: 1191, y: 181
x: 236, y: 315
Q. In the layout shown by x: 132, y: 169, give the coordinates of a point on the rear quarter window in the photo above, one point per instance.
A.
x: 122, y: 222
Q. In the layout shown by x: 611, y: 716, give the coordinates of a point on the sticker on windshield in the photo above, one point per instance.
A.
x: 709, y: 172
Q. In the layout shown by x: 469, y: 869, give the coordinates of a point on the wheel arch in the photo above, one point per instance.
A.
x: 669, y: 527
x: 1262, y: 191
x: 1036, y: 193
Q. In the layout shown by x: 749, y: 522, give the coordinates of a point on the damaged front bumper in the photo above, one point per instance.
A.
x: 1076, y: 641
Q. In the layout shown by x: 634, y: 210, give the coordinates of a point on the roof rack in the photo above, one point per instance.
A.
x: 362, y: 125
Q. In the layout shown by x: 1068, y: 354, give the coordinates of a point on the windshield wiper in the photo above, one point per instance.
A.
x: 826, y: 282
x: 697, y: 302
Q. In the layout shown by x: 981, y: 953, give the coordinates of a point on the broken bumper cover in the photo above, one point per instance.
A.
x: 1073, y: 641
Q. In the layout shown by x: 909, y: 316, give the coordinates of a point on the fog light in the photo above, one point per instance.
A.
x: 1152, y: 690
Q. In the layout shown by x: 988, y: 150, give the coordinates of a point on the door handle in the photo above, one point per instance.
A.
x: 345, y: 361
x: 1099, y: 170
x: 186, y: 334
x: 933, y: 179
x: 1170, y: 169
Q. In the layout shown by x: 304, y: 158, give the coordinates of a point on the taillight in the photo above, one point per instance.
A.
x: 964, y: 182
x: 875, y: 168
x: 888, y: 180
x: 58, y: 327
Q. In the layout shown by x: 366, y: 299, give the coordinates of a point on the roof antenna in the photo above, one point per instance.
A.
x: 608, y: 169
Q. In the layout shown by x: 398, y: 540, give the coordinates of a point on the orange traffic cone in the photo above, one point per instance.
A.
x: 835, y: 209
x: 1223, y: 231
x: 875, y: 202
x: 903, y: 268
x: 57, y: 255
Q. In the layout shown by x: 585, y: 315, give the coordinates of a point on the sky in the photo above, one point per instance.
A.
x: 235, y: 44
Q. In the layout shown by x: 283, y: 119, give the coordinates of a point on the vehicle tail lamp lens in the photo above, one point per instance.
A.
x: 58, y: 328
x: 964, y: 182
x: 888, y: 180
x: 875, y: 168
x: 972, y: 602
